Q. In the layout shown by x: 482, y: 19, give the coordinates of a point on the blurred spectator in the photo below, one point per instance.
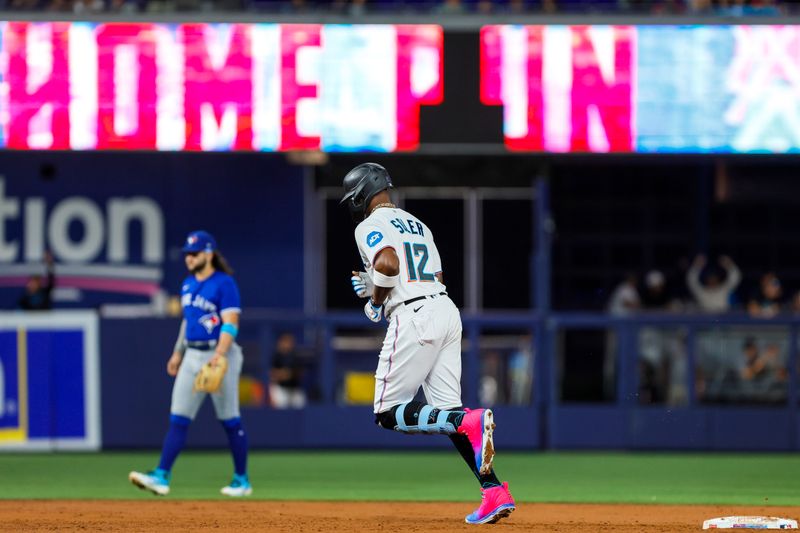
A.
x: 293, y: 6
x: 731, y: 8
x: 23, y: 5
x: 159, y: 6
x: 60, y: 6
x: 668, y: 7
x: 450, y: 7
x: 713, y: 295
x: 762, y: 7
x: 625, y: 299
x: 38, y: 293
x: 549, y: 6
x: 490, y: 388
x: 286, y: 375
x: 520, y: 371
x: 766, y: 303
x: 88, y: 6
x: 123, y: 6
x: 700, y: 7
x: 743, y: 8
x: 444, y: 7
x: 795, y: 304
x: 517, y: 7
x: 762, y: 374
x: 662, y: 367
x: 754, y: 365
x: 655, y: 297
x: 357, y: 8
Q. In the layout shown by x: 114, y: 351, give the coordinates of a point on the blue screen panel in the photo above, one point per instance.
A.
x: 58, y: 356
x: 9, y: 382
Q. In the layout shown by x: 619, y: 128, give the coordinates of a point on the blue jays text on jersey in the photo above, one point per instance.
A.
x: 205, y: 301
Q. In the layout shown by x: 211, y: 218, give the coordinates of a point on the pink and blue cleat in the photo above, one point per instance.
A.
x: 496, y: 503
x: 478, y: 425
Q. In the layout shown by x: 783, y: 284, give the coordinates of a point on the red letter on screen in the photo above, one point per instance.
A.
x: 229, y: 85
x: 419, y: 48
x: 492, y: 81
x: 52, y: 91
x: 294, y: 37
x: 113, y: 78
x: 611, y: 97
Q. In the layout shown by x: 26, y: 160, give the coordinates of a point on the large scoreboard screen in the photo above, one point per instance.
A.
x: 364, y: 88
x: 266, y: 87
x: 696, y: 89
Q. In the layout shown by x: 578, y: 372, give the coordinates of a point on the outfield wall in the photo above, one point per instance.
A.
x: 135, y: 419
x: 62, y: 390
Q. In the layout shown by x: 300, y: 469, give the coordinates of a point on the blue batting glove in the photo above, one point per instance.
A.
x: 372, y: 311
x: 362, y: 284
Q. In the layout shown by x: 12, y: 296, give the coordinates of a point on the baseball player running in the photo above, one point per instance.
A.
x: 211, y: 308
x: 403, y: 282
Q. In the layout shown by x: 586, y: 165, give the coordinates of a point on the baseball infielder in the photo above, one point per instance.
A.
x: 403, y: 282
x: 211, y: 308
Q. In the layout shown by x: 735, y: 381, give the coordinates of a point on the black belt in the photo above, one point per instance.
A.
x: 418, y: 298
x: 201, y: 345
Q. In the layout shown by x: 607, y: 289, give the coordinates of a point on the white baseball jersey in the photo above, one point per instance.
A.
x: 412, y: 241
x: 422, y: 346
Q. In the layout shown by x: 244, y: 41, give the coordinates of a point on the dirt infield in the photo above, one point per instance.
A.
x: 302, y: 517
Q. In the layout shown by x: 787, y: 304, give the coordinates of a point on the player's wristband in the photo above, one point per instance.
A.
x: 230, y: 329
x: 387, y: 282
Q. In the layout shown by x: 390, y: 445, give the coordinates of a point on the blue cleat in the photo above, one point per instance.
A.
x: 239, y: 486
x: 156, y: 481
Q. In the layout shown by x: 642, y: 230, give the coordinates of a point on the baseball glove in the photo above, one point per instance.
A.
x: 209, y: 379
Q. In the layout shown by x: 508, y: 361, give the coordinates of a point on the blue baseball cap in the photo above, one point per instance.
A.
x: 199, y: 241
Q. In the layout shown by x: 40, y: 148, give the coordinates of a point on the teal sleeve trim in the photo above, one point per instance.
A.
x: 230, y: 329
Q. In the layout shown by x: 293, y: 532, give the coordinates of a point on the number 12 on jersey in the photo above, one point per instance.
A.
x: 413, y: 252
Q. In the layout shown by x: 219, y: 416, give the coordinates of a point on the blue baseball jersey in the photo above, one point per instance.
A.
x: 204, y: 302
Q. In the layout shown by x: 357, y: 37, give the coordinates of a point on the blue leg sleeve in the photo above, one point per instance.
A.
x: 237, y: 440
x: 174, y: 441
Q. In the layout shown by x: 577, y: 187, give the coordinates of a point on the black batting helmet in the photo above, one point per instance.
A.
x: 361, y: 185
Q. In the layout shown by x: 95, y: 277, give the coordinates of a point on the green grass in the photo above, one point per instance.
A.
x: 740, y: 479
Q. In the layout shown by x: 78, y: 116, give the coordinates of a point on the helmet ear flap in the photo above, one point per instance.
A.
x: 358, y: 199
x: 356, y: 205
